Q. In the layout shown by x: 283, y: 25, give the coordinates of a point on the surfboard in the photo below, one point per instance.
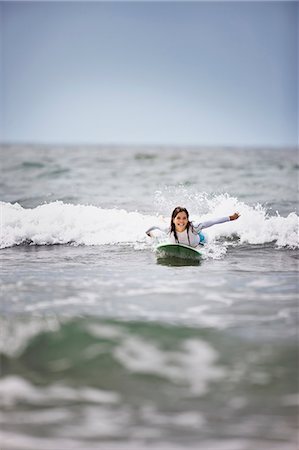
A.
x: 181, y: 251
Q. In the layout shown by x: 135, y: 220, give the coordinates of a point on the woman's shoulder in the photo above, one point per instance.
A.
x: 195, y: 226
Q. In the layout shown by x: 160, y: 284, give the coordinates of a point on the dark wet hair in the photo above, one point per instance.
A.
x: 172, y: 229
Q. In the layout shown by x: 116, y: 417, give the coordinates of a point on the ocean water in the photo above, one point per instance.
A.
x: 105, y: 347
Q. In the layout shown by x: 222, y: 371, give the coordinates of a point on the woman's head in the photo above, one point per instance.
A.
x: 179, y: 220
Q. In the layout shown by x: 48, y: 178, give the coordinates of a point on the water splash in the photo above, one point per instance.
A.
x: 61, y: 223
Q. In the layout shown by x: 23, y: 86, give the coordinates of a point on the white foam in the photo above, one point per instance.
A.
x: 20, y: 441
x: 60, y: 223
x: 15, y: 336
x: 14, y: 389
x: 194, y: 364
x: 104, y: 331
x: 186, y: 419
x: 254, y: 226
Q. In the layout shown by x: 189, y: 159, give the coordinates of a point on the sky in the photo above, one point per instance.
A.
x: 166, y: 73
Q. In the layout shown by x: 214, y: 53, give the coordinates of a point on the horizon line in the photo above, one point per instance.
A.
x: 148, y: 145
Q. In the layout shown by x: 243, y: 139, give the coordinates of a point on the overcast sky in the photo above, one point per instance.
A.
x: 185, y: 73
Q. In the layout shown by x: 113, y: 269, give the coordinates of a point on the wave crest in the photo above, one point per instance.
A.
x: 61, y: 223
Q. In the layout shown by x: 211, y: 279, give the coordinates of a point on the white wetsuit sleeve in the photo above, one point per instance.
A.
x: 210, y: 223
x: 148, y: 232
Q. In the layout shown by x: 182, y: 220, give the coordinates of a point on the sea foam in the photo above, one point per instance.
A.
x: 61, y: 223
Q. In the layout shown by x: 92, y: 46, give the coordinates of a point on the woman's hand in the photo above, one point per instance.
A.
x: 235, y: 216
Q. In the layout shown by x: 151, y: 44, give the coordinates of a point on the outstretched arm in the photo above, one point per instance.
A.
x: 210, y: 223
x: 149, y: 231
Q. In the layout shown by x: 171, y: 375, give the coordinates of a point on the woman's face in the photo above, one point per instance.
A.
x: 180, y: 221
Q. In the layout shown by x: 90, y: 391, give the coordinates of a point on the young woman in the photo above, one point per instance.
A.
x: 182, y: 231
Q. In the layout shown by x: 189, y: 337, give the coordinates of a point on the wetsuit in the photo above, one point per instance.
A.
x: 193, y: 237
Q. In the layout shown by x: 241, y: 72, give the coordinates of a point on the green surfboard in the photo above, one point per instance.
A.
x: 178, y: 251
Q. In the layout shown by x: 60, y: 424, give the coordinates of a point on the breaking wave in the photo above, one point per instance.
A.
x: 62, y: 223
